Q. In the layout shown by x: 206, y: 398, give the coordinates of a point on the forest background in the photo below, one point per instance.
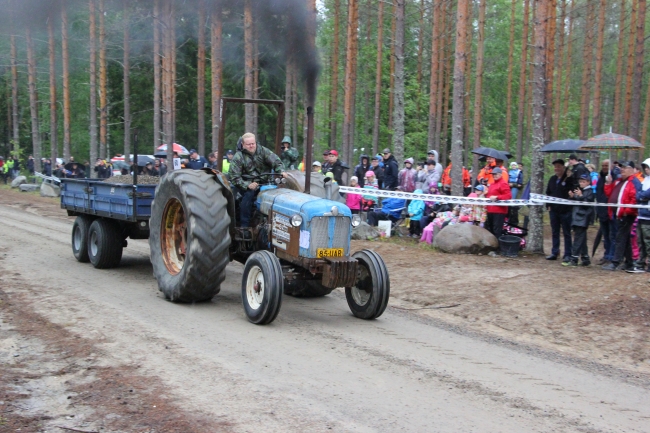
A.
x: 77, y: 77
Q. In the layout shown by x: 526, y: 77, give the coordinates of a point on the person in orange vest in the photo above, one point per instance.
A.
x: 485, y: 174
x: 446, y: 181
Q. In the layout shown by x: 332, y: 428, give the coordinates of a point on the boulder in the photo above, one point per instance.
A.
x: 26, y: 187
x: 465, y: 239
x: 49, y: 190
x: 364, y: 232
x: 19, y: 180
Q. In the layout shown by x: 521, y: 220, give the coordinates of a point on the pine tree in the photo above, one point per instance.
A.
x: 458, y: 109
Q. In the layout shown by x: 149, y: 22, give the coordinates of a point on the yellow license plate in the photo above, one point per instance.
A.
x: 329, y: 252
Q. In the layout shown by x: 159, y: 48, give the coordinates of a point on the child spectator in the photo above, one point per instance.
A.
x: 478, y: 214
x: 515, y: 179
x: 368, y: 201
x: 415, y: 210
x: 593, y: 173
x: 581, y: 218
x: 442, y: 220
x: 353, y: 201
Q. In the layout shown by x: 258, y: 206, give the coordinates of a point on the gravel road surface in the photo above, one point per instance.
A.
x: 316, y: 368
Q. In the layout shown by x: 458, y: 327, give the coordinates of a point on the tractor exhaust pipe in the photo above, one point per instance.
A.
x: 327, y: 184
x: 309, y: 151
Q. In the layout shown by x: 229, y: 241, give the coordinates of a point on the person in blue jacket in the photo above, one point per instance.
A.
x: 391, y: 209
x: 643, y: 222
x: 196, y: 161
x: 415, y: 210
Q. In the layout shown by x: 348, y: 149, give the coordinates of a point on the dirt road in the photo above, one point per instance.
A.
x: 92, y: 350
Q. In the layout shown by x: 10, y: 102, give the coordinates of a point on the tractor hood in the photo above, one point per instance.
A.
x: 290, y: 202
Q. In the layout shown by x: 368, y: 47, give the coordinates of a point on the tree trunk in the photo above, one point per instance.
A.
x: 646, y: 119
x: 550, y: 67
x: 294, y: 106
x: 618, y: 127
x: 468, y: 80
x: 14, y: 95
x: 127, y: 84
x: 509, y: 92
x: 630, y: 68
x: 66, y: 85
x: 569, y: 62
x: 167, y: 24
x: 172, y: 53
x: 458, y: 109
x: 398, y: 104
x: 587, y: 60
x: 635, y: 110
x: 521, y: 110
x: 200, y: 79
x: 53, y: 115
x: 157, y: 86
x: 335, y: 76
x: 442, y: 66
x: 420, y: 50
x: 597, y: 119
x: 350, y: 70
x: 559, y: 64
x: 216, y: 68
x: 536, y: 237
x: 436, y: 34
x: 288, y: 92
x: 256, y: 73
x: 380, y: 46
x: 391, y: 86
x: 93, y: 85
x: 103, y: 84
x: 33, y: 101
x: 444, y: 133
x: 248, y: 63
x: 478, y: 91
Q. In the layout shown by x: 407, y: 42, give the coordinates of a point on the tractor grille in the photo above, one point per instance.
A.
x: 320, y: 230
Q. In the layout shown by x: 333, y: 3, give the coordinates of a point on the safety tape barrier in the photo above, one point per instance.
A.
x: 535, y: 199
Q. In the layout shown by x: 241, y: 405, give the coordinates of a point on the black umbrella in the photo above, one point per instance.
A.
x: 144, y: 160
x: 493, y: 153
x: 564, y: 146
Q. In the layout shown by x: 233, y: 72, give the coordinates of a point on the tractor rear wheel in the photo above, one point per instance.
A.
x: 368, y: 297
x: 189, y: 236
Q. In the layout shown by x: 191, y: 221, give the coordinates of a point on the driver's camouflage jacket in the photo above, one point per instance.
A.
x: 245, y: 164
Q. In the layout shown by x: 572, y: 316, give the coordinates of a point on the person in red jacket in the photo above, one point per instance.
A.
x: 623, y: 191
x: 496, y: 215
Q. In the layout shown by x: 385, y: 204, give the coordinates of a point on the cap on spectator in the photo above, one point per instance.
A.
x: 354, y: 178
x: 628, y: 164
x: 229, y: 152
x: 376, y: 158
x: 316, y: 163
x: 584, y: 177
x: 409, y: 160
x: 148, y: 163
x: 496, y: 170
x: 334, y: 152
x: 479, y: 188
x: 514, y: 165
x: 558, y: 161
x: 387, y: 150
x: 431, y: 152
x: 327, y: 152
x: 370, y: 173
x: 431, y: 162
x: 192, y: 151
x: 573, y: 156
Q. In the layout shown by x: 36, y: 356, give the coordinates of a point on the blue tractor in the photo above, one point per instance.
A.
x: 299, y: 245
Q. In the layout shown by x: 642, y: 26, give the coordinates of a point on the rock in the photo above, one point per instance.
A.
x: 365, y: 232
x: 19, y: 180
x: 465, y: 239
x: 49, y: 190
x: 27, y: 187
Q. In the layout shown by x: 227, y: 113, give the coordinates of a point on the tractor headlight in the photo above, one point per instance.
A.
x: 296, y: 220
x: 356, y: 220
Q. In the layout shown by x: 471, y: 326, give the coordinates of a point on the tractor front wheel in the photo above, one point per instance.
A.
x: 261, y: 287
x: 368, y: 297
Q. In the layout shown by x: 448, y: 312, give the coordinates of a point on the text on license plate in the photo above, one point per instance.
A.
x: 329, y: 252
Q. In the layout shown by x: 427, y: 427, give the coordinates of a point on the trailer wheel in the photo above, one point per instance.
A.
x: 104, y: 244
x: 368, y: 298
x: 189, y: 236
x: 79, y: 242
x: 261, y: 287
x: 306, y: 289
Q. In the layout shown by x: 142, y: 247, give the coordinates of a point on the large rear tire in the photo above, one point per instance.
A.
x: 189, y: 236
x: 79, y: 242
x: 368, y: 298
x: 104, y: 244
x: 306, y: 289
x: 261, y: 287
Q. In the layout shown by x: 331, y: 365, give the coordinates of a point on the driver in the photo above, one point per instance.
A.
x: 245, y: 169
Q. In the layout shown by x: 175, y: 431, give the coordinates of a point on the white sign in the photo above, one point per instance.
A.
x: 177, y: 164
